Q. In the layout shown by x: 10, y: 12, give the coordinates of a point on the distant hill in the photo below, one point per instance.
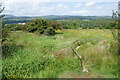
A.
x: 10, y: 19
x: 58, y: 17
x: 53, y: 17
x: 15, y: 17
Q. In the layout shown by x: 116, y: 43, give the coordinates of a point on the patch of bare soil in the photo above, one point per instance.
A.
x: 62, y: 53
x: 102, y: 45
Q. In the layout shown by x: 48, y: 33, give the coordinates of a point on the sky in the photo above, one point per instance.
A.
x: 59, y: 7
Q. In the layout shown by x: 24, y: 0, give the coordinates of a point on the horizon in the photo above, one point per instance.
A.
x: 54, y: 15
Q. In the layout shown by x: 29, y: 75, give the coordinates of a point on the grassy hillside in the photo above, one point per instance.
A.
x: 27, y: 55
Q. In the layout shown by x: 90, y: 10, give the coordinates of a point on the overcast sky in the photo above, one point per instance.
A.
x: 60, y: 7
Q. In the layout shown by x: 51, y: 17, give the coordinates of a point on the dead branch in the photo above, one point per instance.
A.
x: 75, y: 42
x: 80, y: 58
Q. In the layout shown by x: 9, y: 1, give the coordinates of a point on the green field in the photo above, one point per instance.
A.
x: 28, y: 55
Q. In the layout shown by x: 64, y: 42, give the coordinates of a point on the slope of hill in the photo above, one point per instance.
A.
x: 57, y: 17
x: 10, y: 19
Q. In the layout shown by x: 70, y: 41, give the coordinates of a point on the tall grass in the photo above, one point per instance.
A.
x: 28, y: 55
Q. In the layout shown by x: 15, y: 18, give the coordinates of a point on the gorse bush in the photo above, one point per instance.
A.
x: 35, y: 25
x: 49, y: 31
x: 30, y: 27
x: 42, y: 26
x: 54, y: 24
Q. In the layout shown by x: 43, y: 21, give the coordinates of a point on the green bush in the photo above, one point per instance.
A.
x: 5, y: 33
x: 54, y: 24
x: 36, y: 25
x: 43, y: 26
x: 30, y: 27
x: 49, y: 31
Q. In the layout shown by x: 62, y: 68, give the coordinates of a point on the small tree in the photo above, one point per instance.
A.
x: 1, y: 10
x: 114, y: 26
x: 3, y: 31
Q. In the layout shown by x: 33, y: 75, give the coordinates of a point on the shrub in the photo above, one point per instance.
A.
x: 30, y: 27
x: 5, y: 33
x: 43, y: 26
x: 49, y: 31
x: 54, y: 24
x: 36, y: 25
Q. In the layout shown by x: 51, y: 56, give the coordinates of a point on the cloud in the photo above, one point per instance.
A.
x: 99, y: 7
x: 26, y: 8
x: 62, y: 6
x: 79, y: 12
x: 45, y: 10
x: 37, y: 8
x: 90, y: 3
x: 27, y: 1
x: 78, y: 5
